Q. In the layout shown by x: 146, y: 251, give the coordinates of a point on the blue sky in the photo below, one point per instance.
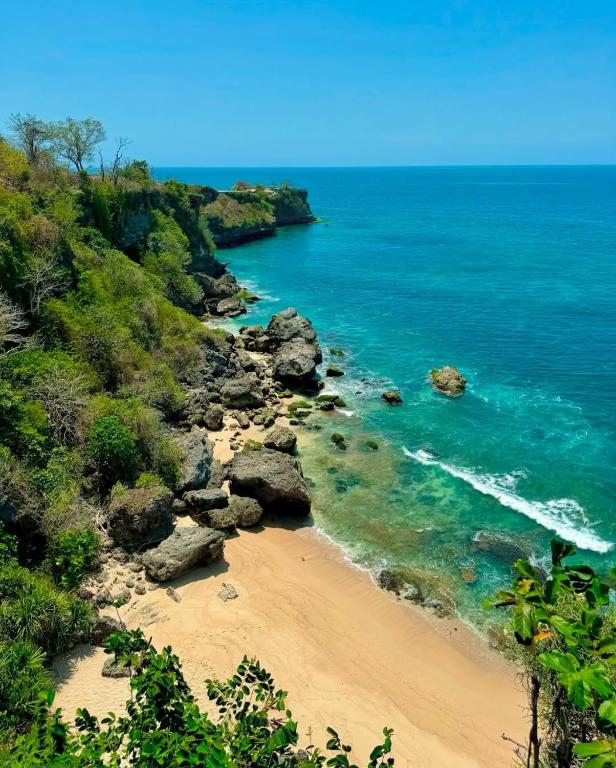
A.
x: 304, y: 82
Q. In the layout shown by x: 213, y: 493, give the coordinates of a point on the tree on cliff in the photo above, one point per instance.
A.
x: 30, y: 134
x: 75, y: 140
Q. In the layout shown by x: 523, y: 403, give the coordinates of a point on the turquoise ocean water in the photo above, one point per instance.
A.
x: 508, y: 273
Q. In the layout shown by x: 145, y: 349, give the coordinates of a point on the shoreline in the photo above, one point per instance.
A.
x: 350, y: 654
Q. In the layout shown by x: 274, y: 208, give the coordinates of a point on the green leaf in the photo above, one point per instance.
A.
x: 560, y: 550
x: 524, y: 623
x: 590, y: 748
x: 607, y: 710
x: 559, y: 662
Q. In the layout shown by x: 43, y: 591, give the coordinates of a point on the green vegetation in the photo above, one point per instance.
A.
x: 563, y: 633
x: 164, y: 725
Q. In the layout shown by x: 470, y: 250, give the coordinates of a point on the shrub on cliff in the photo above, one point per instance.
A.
x: 110, y: 447
x: 165, y: 726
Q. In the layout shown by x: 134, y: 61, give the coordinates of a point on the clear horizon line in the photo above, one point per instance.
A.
x: 392, y: 165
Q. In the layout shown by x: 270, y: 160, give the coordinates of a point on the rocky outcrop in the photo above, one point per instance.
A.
x: 273, y: 478
x: 246, y: 511
x: 448, y: 380
x: 392, y: 397
x: 232, y: 307
x: 201, y: 501
x: 197, y: 458
x: 293, y: 343
x: 186, y: 548
x: 139, y: 517
x: 500, y: 546
x: 244, y: 392
x: 291, y: 206
x: 281, y: 439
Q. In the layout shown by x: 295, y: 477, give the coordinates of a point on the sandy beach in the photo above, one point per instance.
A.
x: 350, y: 655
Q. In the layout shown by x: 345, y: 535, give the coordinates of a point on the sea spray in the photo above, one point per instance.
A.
x: 555, y: 514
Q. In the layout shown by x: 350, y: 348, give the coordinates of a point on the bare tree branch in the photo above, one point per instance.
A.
x: 12, y: 321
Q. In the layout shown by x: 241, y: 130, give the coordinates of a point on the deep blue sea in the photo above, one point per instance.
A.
x: 508, y: 273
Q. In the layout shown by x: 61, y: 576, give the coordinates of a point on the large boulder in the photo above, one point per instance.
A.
x: 197, y: 458
x: 295, y: 363
x: 246, y: 511
x: 218, y: 288
x: 103, y: 627
x: 243, y: 392
x: 281, y: 439
x: 139, y: 517
x: 293, y: 342
x: 186, y: 548
x: 273, y: 478
x: 200, y: 503
x: 214, y: 417
x: 288, y: 325
x: 448, y: 380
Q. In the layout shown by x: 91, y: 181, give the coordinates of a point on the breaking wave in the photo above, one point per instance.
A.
x: 563, y: 516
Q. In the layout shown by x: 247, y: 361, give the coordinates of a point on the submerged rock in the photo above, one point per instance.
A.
x: 448, y: 380
x: 186, y: 548
x: 500, y: 545
x: 273, y: 478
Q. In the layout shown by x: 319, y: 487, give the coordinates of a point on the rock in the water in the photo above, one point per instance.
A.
x: 244, y: 392
x: 500, y: 545
x: 448, y: 380
x: 339, y: 441
x: 281, y: 439
x: 334, y: 371
x: 295, y: 363
x: 227, y: 592
x: 205, y: 499
x: 246, y: 511
x: 293, y: 342
x: 104, y: 626
x: 273, y: 478
x: 197, y: 451
x: 186, y: 548
x: 392, y: 397
x: 139, y: 517
x: 231, y: 307
x: 213, y: 417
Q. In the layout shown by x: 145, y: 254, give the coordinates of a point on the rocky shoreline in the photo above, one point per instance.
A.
x: 240, y: 468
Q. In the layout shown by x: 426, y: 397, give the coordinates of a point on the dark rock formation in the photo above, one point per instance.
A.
x: 500, y: 545
x: 293, y: 342
x: 197, y: 452
x: 213, y: 417
x: 281, y: 439
x: 448, y: 380
x: 246, y: 511
x: 273, y: 478
x: 334, y: 371
x: 140, y: 516
x: 186, y: 548
x: 242, y: 392
x: 204, y: 500
x: 392, y: 397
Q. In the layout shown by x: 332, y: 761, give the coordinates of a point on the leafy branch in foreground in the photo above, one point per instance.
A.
x: 565, y: 625
x: 164, y: 725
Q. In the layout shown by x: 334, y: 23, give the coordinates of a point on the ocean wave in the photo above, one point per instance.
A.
x: 563, y: 516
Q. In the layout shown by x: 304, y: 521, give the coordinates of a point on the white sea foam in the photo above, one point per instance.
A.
x: 563, y: 516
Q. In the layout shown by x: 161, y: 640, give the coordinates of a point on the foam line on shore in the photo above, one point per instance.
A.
x: 554, y: 515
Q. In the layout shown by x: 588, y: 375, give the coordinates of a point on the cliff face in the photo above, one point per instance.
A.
x: 247, y: 213
x: 291, y: 206
x: 133, y: 221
